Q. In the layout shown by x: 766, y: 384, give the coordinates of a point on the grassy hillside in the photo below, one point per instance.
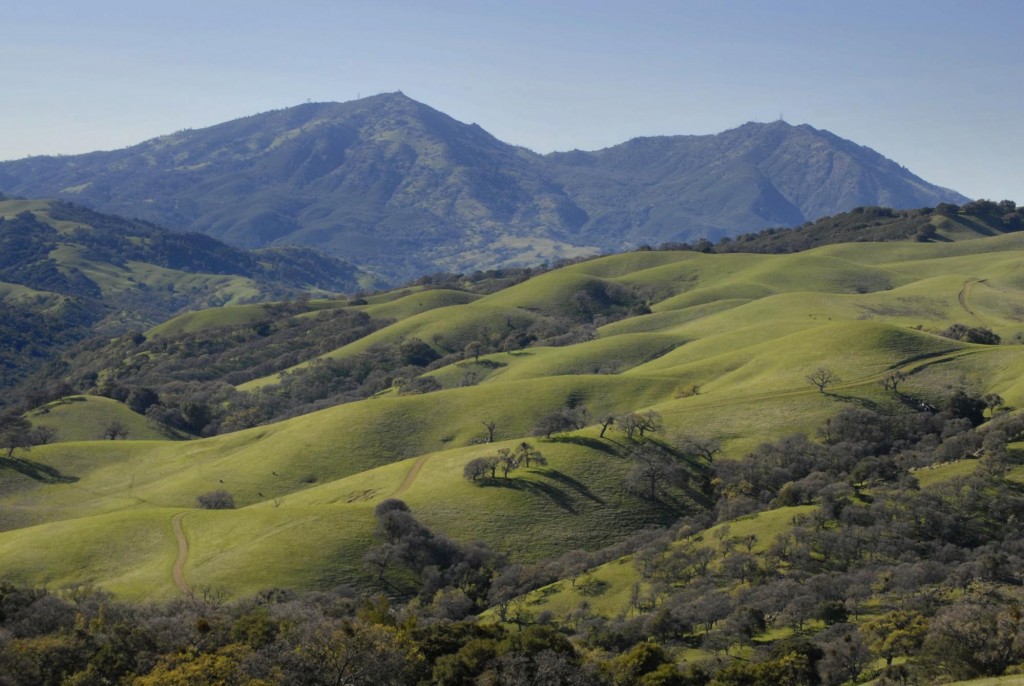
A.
x: 719, y: 345
x: 68, y: 273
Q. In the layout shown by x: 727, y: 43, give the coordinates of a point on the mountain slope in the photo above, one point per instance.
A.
x: 679, y: 187
x: 67, y: 272
x: 385, y: 181
x: 400, y: 187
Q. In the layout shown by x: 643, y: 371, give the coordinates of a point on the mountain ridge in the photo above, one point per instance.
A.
x: 399, y: 187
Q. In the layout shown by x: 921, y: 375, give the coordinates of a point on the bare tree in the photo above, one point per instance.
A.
x: 525, y: 453
x: 893, y: 379
x: 823, y: 377
x: 478, y: 467
x: 700, y: 446
x: 489, y: 425
x: 629, y: 423
x: 652, y: 471
x: 561, y: 421
x: 650, y: 421
x: 507, y: 461
x: 42, y: 435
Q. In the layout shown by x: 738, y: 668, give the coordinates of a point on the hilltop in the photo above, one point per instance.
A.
x: 402, y: 189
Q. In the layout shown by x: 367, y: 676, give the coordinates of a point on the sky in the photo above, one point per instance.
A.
x: 935, y: 86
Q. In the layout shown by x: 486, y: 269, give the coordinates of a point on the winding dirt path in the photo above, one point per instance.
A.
x: 411, y: 476
x: 966, y: 291
x: 179, y: 564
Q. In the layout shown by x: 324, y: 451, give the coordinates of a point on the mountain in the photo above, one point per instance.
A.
x: 396, y: 186
x: 672, y: 188
x: 67, y: 272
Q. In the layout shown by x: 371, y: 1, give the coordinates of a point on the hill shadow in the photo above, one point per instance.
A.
x: 555, y: 494
x: 36, y: 470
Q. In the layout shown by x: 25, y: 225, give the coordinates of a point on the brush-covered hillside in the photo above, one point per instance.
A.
x: 67, y: 272
x: 613, y: 370
x: 403, y: 189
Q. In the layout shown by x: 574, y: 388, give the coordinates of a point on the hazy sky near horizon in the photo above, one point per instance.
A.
x: 934, y: 85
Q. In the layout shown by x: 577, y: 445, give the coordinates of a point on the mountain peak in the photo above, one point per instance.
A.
x: 390, y: 183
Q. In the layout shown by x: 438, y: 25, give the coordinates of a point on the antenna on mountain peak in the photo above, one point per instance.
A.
x: 781, y: 118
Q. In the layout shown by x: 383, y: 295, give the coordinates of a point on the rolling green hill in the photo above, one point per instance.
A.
x: 721, y: 349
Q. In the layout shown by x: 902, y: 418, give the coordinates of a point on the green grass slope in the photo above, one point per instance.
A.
x: 85, y: 418
x: 744, y: 329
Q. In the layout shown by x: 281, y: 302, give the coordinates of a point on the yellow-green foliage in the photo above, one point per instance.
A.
x: 739, y: 333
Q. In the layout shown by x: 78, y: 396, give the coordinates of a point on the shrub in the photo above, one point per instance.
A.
x: 216, y: 500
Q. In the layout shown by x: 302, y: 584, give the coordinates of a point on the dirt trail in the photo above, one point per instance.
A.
x: 179, y: 564
x: 966, y: 291
x: 411, y: 476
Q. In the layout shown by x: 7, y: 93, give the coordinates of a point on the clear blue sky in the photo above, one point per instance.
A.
x: 935, y: 85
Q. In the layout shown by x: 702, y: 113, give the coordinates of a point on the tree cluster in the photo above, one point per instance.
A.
x: 506, y: 460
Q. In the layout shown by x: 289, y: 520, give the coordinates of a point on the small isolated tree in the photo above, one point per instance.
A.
x: 605, y: 422
x: 115, y: 429
x: 216, y: 500
x: 15, y: 432
x: 489, y: 425
x: 822, y: 377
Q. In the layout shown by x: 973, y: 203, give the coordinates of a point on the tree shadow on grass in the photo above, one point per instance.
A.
x: 36, y: 470
x: 557, y: 495
x: 587, y: 442
x: 854, y: 400
x: 572, y: 483
x: 486, y: 364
